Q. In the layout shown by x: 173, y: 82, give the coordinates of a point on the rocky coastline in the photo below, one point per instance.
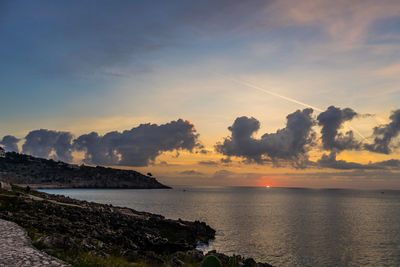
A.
x: 46, y: 173
x: 84, y: 233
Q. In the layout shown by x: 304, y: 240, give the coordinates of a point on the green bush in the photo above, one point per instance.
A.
x: 211, y: 261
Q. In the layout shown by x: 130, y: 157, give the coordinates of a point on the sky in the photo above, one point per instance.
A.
x: 233, y: 93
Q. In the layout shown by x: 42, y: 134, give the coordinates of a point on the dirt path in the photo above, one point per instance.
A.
x: 53, y: 201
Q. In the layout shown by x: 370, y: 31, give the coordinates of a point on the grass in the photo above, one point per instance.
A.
x: 89, y: 259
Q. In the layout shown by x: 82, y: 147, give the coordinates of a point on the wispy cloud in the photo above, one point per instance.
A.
x: 345, y: 23
x: 191, y: 172
x: 391, y: 70
x: 208, y: 162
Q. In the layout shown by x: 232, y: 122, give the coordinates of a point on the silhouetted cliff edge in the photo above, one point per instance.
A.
x: 43, y: 173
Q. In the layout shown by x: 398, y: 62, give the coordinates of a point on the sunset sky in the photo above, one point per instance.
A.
x: 174, y: 75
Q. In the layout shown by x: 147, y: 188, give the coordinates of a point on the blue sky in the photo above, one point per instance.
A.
x: 104, y: 66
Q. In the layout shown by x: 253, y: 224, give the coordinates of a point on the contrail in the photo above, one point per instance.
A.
x: 247, y: 84
x: 276, y: 94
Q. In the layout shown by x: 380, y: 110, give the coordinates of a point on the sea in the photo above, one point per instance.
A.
x: 281, y: 226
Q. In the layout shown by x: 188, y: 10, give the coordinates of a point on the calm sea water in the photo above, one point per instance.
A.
x: 282, y: 226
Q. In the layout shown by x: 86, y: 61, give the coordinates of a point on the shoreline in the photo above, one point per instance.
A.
x: 61, y: 186
x: 77, y: 231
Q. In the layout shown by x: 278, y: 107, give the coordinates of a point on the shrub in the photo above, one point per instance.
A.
x: 211, y: 261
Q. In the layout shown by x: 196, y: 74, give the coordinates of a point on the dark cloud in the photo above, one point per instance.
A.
x: 47, y: 143
x: 332, y: 121
x: 388, y: 164
x: 226, y: 160
x: 384, y: 135
x: 191, y: 172
x: 98, y: 149
x: 10, y: 143
x: 330, y: 161
x: 208, y: 162
x: 287, y: 144
x: 138, y: 146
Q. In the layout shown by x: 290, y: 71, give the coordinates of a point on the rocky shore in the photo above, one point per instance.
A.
x: 89, y: 234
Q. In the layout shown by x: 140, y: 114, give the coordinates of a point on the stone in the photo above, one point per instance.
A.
x: 16, y: 249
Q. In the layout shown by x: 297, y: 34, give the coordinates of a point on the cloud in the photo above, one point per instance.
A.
x: 287, y: 144
x: 98, y: 149
x: 223, y: 174
x: 330, y: 161
x: 388, y: 164
x: 226, y: 160
x: 85, y: 37
x: 392, y: 70
x: 333, y: 17
x: 10, y: 143
x: 48, y: 143
x: 191, y: 172
x: 358, y: 178
x: 384, y: 135
x: 332, y: 121
x: 138, y: 146
x: 208, y: 162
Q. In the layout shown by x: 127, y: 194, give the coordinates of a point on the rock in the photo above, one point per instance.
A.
x: 249, y: 262
x: 152, y: 258
x: 259, y: 264
x: 5, y: 186
x: 195, y: 255
x: 176, y: 262
x: 88, y: 244
x: 51, y: 241
x: 179, y: 254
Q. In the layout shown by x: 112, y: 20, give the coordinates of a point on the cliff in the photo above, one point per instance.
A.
x: 43, y: 173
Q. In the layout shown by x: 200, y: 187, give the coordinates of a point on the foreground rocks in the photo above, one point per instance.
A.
x: 16, y: 249
x: 104, y: 235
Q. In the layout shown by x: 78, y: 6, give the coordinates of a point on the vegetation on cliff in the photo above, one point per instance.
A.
x: 43, y: 173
